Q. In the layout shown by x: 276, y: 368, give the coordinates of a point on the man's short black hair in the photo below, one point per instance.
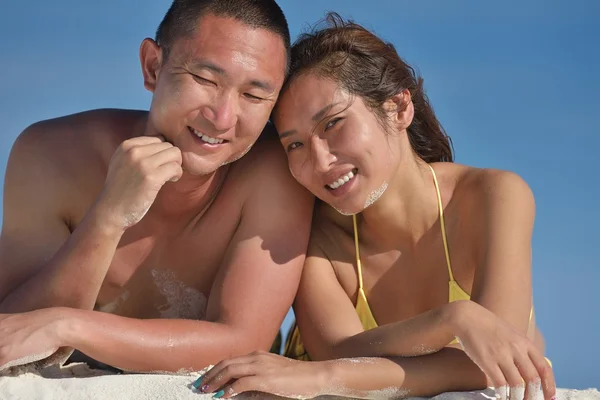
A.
x: 183, y: 16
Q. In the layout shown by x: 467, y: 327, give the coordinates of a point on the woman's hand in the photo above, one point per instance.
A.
x: 512, y: 363
x: 29, y: 337
x: 267, y: 373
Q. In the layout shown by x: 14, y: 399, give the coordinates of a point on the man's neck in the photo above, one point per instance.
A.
x: 187, y: 198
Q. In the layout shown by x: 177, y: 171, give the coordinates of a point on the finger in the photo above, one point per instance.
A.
x: 545, y: 372
x: 170, y: 154
x: 502, y: 392
x: 498, y: 379
x: 533, y: 390
x: 140, y: 141
x: 145, y: 151
x: 515, y: 383
x: 246, y: 384
x: 227, y: 374
x: 217, y: 369
x: 528, y: 374
x: 209, y: 375
x: 517, y: 392
x: 170, y: 172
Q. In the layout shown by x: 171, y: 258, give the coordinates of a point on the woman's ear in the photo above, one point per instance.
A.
x: 400, y: 109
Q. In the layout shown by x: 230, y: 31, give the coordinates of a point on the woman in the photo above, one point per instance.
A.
x: 421, y: 264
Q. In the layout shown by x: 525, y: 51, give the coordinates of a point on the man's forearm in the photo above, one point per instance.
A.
x: 426, y: 333
x: 149, y: 345
x: 73, y: 277
x: 374, y: 378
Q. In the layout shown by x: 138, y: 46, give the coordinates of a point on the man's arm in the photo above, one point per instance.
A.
x: 250, y: 297
x: 41, y: 263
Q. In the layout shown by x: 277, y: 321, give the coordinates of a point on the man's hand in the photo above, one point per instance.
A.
x: 29, y: 337
x: 137, y: 170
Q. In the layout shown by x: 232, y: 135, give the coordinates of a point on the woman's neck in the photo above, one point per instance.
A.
x: 405, y: 212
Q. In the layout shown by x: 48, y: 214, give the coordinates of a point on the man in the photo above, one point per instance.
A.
x: 188, y: 253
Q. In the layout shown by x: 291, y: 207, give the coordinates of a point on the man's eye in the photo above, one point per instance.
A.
x: 253, y: 98
x: 204, y: 80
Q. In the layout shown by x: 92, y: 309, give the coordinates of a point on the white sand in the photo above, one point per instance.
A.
x: 78, y: 382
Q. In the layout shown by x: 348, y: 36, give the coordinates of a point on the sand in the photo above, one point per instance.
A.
x: 78, y: 382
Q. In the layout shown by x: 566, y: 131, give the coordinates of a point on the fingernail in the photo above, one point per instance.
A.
x: 553, y: 398
x: 219, y: 394
x: 204, y: 388
x: 197, y: 382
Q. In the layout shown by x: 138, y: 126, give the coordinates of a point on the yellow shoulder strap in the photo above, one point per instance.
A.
x: 357, y: 252
x: 442, y: 224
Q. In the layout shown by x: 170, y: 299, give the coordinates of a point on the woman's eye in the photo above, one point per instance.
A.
x: 294, y: 145
x: 332, y: 123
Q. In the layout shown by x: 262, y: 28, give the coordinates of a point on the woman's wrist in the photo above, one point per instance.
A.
x: 459, y: 316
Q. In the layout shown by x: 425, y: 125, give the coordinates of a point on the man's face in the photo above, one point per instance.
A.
x: 215, y: 90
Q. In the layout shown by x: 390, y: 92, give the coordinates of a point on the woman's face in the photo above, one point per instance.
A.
x: 336, y: 146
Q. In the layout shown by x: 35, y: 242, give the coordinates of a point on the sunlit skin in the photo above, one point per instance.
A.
x: 222, y: 82
x: 219, y: 251
x: 489, y: 216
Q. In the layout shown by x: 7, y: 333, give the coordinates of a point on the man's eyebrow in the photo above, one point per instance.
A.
x: 266, y: 86
x: 318, y: 116
x: 201, y: 64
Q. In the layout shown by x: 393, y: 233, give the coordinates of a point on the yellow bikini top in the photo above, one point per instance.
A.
x: 455, y: 292
x: 294, y: 347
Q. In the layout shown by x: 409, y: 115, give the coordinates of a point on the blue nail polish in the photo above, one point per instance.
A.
x: 219, y: 394
x: 197, y: 383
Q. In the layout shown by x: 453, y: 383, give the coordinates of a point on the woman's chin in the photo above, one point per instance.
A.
x: 346, y: 209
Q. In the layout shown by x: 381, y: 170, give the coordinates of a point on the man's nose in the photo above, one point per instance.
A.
x: 223, y: 112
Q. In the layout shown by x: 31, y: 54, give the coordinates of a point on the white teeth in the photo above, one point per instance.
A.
x: 341, y: 181
x: 207, y: 139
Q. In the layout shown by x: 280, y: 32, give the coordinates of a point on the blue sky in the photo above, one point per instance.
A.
x: 515, y: 84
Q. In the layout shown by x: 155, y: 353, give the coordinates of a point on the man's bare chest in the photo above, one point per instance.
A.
x: 167, y: 274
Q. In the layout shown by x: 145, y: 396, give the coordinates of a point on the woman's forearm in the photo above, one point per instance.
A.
x: 398, y: 377
x: 423, y: 334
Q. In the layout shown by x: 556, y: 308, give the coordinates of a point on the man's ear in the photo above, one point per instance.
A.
x: 151, y: 57
x: 400, y: 109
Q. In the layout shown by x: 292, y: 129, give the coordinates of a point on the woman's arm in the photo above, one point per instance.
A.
x: 502, y: 281
x: 331, y: 328
x: 365, y: 378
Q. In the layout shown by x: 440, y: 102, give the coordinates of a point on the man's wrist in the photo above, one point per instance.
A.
x: 103, y: 222
x: 69, y: 327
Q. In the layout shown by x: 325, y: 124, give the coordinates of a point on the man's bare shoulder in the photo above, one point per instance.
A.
x: 82, y: 135
x: 67, y: 156
x: 262, y: 181
x: 265, y: 162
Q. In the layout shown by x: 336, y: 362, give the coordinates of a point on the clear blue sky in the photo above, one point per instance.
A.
x: 514, y: 83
